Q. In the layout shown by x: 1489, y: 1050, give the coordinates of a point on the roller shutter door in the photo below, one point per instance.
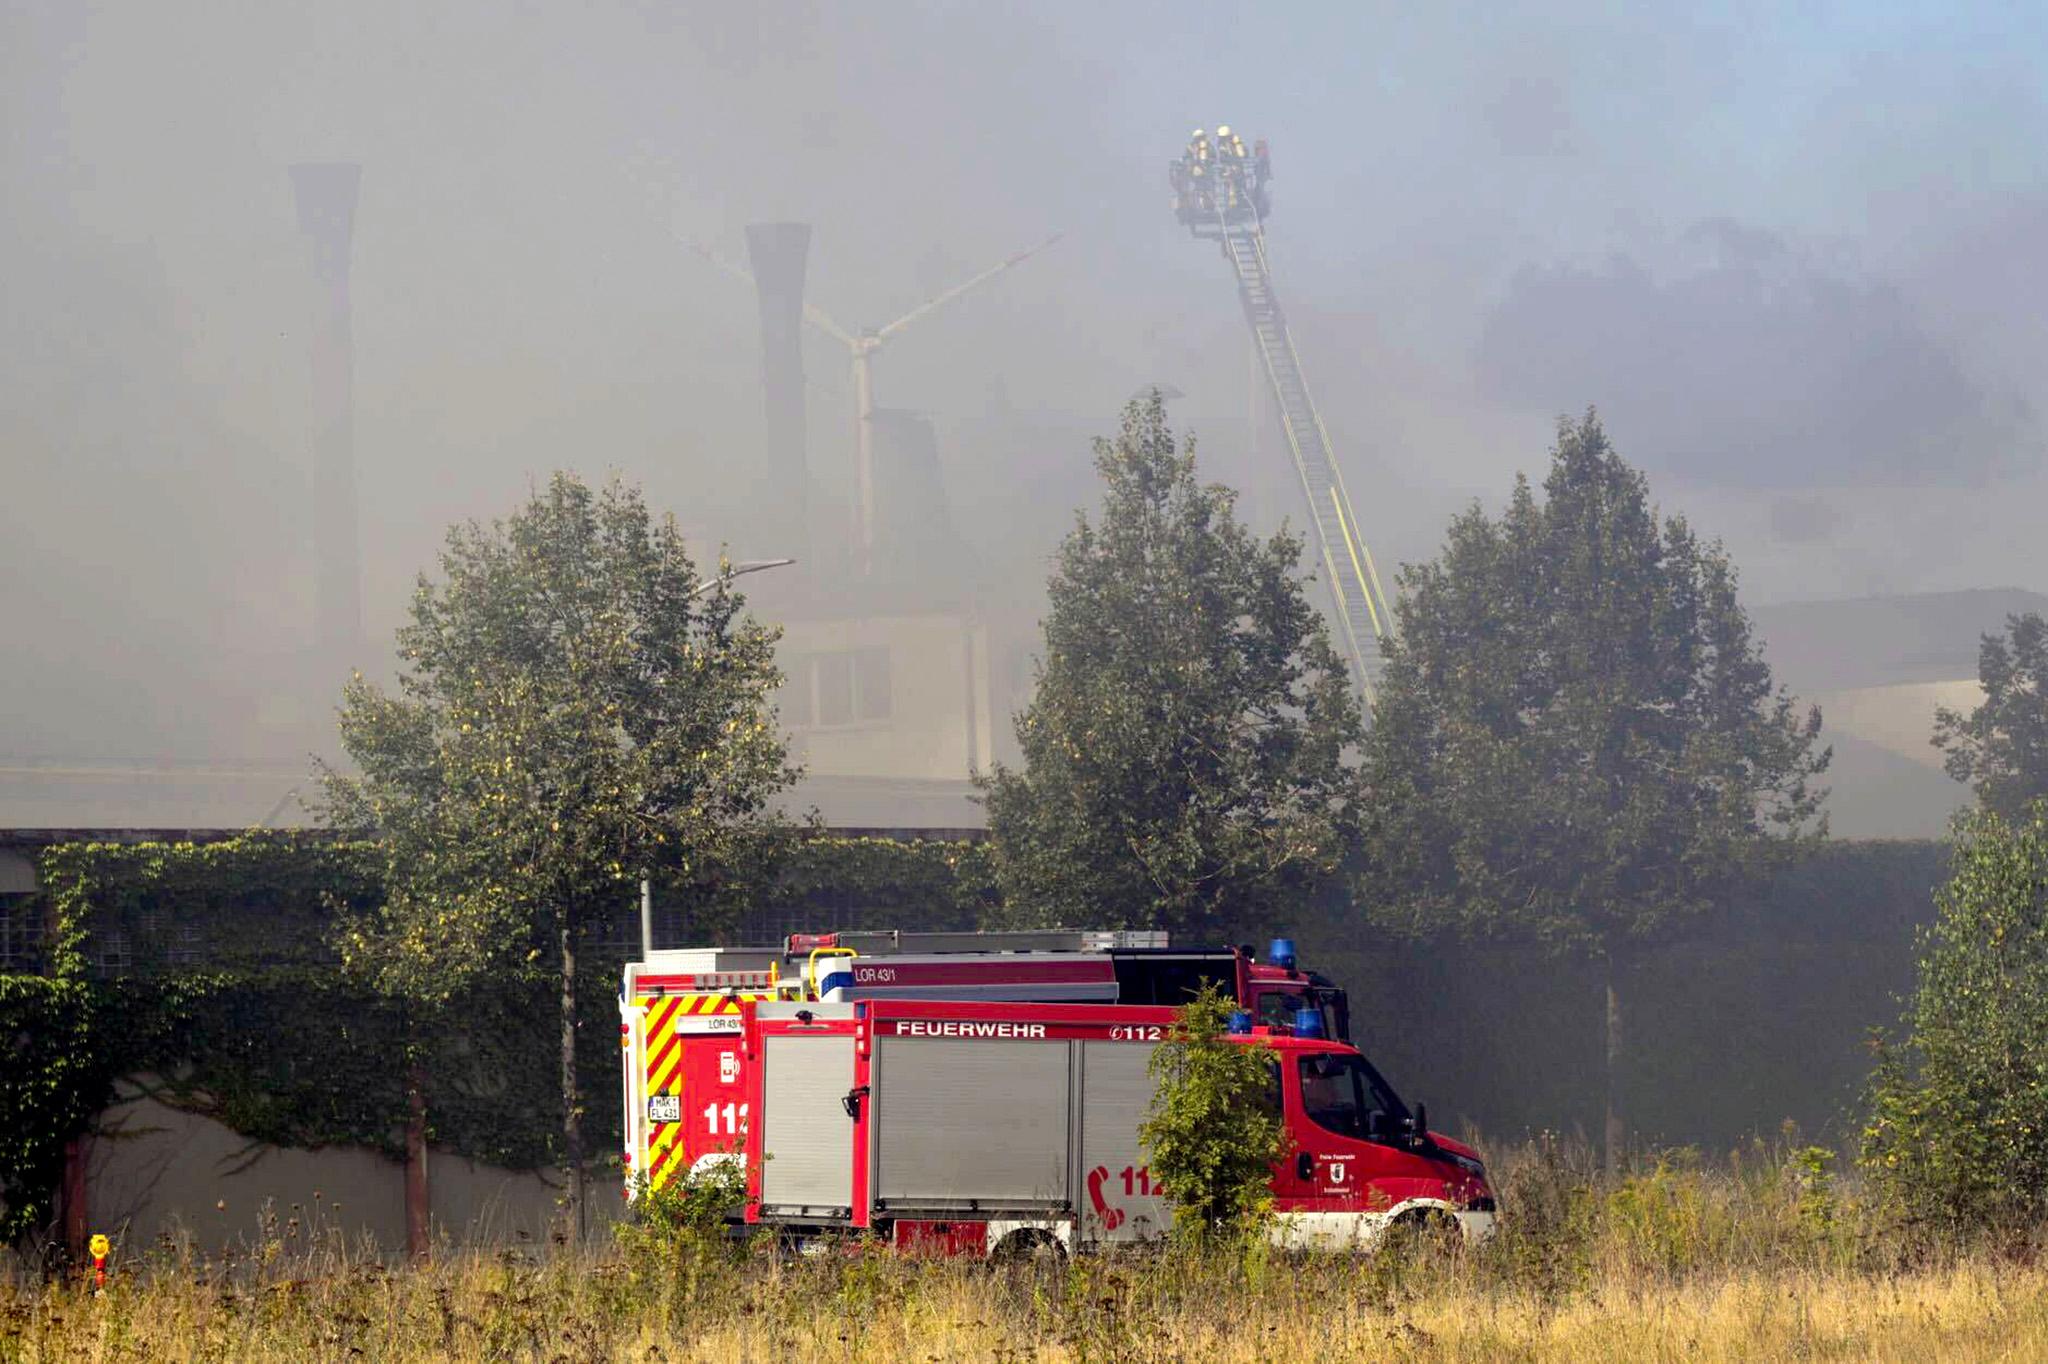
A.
x: 981, y: 1123
x: 808, y: 1136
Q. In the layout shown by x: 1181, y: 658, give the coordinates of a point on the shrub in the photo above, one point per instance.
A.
x: 680, y: 1240
x: 1957, y: 1136
x: 1214, y: 1130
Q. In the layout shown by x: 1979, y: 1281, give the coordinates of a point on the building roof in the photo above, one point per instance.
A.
x: 1818, y: 646
x: 50, y: 804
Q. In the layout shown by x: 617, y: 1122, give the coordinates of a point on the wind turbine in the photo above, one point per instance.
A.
x: 861, y: 348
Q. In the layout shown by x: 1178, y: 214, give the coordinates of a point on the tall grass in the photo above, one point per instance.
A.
x: 1762, y: 1255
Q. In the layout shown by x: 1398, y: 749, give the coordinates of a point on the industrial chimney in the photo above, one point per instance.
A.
x: 326, y: 193
x: 778, y: 252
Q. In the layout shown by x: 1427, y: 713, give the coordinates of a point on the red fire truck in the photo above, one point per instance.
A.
x: 994, y: 1128
x: 679, y: 1009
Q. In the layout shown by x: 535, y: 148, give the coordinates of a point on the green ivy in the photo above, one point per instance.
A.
x: 934, y: 883
x: 207, y: 974
x: 54, y: 1080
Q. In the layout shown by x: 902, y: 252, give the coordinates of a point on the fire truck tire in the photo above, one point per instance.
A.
x: 1028, y: 1249
x: 1425, y: 1234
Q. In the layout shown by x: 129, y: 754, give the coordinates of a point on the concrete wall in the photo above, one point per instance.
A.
x: 939, y: 717
x: 154, y: 1171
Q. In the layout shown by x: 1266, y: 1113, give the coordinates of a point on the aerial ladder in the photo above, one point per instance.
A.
x: 1221, y: 196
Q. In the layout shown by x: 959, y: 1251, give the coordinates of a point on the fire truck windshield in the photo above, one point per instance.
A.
x: 1345, y: 1095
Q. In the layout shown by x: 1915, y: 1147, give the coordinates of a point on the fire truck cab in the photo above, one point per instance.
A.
x: 982, y: 1128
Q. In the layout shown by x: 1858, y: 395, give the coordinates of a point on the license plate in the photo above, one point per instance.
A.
x: 665, y: 1108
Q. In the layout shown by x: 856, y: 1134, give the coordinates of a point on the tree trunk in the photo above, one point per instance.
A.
x: 417, y: 1218
x: 1616, y: 1134
x: 572, y: 1114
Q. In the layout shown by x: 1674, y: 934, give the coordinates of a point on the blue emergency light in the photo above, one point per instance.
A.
x: 1240, y: 1021
x: 1281, y: 953
x: 1308, y: 1022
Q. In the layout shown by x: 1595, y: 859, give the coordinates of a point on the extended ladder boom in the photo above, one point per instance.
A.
x: 1361, y: 607
x: 1221, y: 194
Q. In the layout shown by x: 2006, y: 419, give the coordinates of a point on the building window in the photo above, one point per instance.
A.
x: 611, y: 932
x: 837, y: 689
x: 21, y: 934
x: 111, y: 952
x: 871, y: 684
x: 834, y: 685
x: 168, y: 936
x: 185, y: 947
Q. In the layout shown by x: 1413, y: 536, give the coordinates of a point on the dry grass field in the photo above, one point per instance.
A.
x: 1760, y: 1258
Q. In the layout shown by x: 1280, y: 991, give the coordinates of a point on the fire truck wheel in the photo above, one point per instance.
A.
x: 1029, y: 1249
x: 1426, y: 1235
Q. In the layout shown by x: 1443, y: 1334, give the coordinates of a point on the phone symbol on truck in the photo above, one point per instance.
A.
x: 1112, y: 1217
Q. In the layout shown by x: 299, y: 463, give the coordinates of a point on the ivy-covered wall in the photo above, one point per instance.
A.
x: 209, y: 969
x: 51, y: 1084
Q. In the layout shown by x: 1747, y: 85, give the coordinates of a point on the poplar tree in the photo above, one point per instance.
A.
x: 1577, y: 739
x: 1185, y: 752
x: 2001, y: 747
x: 576, y: 708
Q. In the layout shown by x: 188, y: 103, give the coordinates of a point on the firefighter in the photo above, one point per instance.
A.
x: 1198, y: 146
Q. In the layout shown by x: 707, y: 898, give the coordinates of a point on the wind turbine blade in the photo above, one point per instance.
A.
x: 941, y: 300
x: 822, y: 320
x: 739, y: 272
x: 813, y: 314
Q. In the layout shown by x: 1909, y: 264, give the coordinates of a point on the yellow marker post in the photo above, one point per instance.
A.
x: 99, y: 1246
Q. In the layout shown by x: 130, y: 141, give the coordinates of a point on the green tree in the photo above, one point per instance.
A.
x: 1577, y: 740
x: 1214, y: 1129
x: 575, y: 709
x: 1957, y: 1135
x: 2001, y: 747
x: 1185, y: 752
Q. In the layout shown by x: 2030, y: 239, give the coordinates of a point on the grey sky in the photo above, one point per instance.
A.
x: 1458, y: 193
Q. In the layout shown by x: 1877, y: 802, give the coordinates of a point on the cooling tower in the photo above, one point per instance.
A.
x: 778, y: 253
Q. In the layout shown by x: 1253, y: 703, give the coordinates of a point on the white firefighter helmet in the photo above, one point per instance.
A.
x: 1195, y: 136
x: 1223, y: 131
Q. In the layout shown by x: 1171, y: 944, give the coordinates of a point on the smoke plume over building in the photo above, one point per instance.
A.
x: 1791, y: 259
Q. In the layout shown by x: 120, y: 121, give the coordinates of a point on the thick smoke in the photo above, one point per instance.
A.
x: 524, y: 298
x: 156, y: 603
x: 1761, y: 366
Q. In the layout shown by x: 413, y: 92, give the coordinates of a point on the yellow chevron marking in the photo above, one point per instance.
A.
x: 659, y: 1084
